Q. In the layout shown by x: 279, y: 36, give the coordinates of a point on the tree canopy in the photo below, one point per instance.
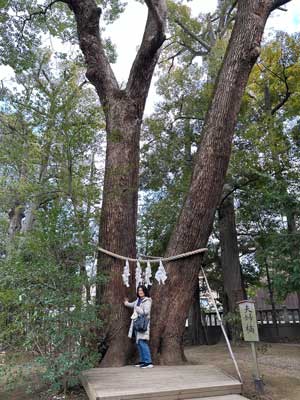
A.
x: 81, y: 166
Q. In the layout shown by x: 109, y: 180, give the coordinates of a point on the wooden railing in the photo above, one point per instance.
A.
x: 211, y: 319
x: 288, y: 316
x: 284, y: 315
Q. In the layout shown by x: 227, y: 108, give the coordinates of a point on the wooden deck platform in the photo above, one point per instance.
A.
x: 160, y: 383
x: 226, y: 397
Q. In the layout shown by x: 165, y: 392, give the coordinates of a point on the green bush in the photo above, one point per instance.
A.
x: 44, y: 308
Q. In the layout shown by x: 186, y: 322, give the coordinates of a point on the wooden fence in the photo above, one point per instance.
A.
x: 288, y: 316
x: 284, y: 315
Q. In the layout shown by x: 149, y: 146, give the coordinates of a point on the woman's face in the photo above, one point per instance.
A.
x: 141, y: 292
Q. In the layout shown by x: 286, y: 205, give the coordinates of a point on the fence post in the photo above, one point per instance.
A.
x: 286, y: 317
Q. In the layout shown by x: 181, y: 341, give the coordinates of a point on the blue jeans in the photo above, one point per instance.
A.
x: 144, y: 351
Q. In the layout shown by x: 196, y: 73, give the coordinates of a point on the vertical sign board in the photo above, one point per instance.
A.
x: 249, y: 323
x: 250, y: 331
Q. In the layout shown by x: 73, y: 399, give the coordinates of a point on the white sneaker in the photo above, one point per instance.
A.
x: 146, y: 365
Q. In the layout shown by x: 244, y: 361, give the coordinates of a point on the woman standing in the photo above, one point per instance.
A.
x: 141, y: 306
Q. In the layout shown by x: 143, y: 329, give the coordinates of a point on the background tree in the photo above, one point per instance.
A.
x: 50, y: 130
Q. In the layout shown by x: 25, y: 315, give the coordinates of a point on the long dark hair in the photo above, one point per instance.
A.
x: 144, y: 289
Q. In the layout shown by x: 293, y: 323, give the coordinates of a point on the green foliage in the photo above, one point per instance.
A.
x: 24, y: 24
x: 169, y: 141
x: 280, y: 251
x: 42, y: 295
x: 264, y: 168
x: 265, y: 164
x: 49, y: 135
x: 233, y: 319
x: 50, y: 131
x: 204, y: 36
x: 172, y: 134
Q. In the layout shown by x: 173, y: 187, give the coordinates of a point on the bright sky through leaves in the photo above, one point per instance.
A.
x: 127, y: 31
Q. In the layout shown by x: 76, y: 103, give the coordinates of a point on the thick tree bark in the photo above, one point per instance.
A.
x: 195, y: 222
x: 230, y: 261
x: 123, y: 111
x: 118, y: 224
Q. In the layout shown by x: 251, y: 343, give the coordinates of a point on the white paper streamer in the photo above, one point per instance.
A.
x: 148, y: 275
x: 126, y: 274
x: 138, y: 274
x: 161, y: 275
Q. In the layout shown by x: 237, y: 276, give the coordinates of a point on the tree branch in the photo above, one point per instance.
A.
x: 284, y: 80
x: 99, y: 71
x: 228, y: 16
x: 195, y: 53
x: 281, y: 103
x: 143, y: 66
x: 236, y: 187
x: 240, y: 186
x: 278, y: 4
x: 87, y: 15
x: 286, y: 96
x: 193, y: 36
x: 184, y: 117
x: 172, y: 58
x: 41, y: 11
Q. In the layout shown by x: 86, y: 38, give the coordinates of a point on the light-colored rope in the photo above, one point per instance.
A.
x: 172, y: 258
x: 222, y: 327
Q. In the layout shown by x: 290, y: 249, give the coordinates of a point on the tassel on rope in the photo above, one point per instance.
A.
x: 161, y: 275
x: 126, y: 274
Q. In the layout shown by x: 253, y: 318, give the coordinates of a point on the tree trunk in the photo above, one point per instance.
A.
x: 30, y: 214
x: 230, y: 261
x: 195, y: 222
x: 33, y: 206
x: 272, y: 300
x: 196, y: 328
x: 16, y: 214
x: 124, y: 112
x: 118, y: 224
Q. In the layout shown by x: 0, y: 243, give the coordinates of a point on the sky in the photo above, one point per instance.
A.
x: 127, y: 31
x: 129, y: 41
x: 127, y: 35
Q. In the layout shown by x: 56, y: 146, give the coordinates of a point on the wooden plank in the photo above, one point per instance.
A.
x: 227, y: 397
x: 171, y: 395
x: 88, y: 387
x: 159, y: 383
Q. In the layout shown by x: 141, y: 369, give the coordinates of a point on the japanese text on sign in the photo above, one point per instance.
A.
x: 249, y: 323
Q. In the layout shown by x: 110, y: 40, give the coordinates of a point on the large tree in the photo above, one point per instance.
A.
x: 211, y: 161
x: 123, y: 109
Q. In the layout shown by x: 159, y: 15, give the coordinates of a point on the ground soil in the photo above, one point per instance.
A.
x: 279, y: 365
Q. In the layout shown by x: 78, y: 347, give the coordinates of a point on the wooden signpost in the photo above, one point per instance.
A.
x: 250, y: 331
